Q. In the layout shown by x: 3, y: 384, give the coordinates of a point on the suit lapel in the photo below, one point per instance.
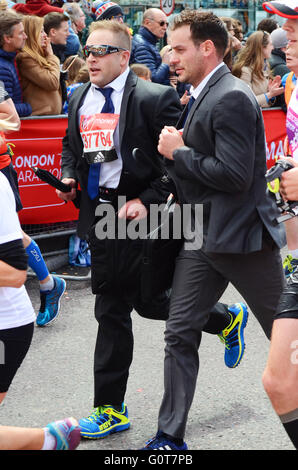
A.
x: 129, y: 87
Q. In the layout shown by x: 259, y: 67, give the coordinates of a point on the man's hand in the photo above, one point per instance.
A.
x: 169, y: 140
x: 72, y: 194
x: 289, y: 182
x: 133, y: 209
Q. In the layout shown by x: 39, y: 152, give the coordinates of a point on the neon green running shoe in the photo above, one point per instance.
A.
x: 290, y: 265
x: 103, y: 421
x: 233, y: 335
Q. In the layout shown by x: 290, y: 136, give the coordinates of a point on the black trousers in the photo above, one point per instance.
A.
x: 114, y: 344
x: 113, y: 350
x: 14, y: 345
x: 199, y: 282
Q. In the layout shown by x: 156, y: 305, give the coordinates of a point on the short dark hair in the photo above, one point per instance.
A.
x: 268, y: 24
x: 8, y: 19
x: 53, y: 20
x: 203, y: 25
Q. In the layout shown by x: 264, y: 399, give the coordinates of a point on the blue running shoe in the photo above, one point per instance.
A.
x: 233, y: 335
x: 162, y: 442
x: 66, y: 433
x: 50, y: 302
x: 103, y: 421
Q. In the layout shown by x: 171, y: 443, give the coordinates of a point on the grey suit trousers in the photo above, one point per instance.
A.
x: 199, y: 282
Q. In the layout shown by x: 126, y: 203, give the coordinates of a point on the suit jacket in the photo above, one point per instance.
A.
x: 146, y: 107
x: 223, y: 164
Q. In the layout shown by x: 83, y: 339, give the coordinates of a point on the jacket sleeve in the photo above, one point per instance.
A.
x: 247, y: 78
x: 231, y: 168
x: 23, y: 109
x: 167, y: 112
x: 68, y: 160
x: 46, y: 78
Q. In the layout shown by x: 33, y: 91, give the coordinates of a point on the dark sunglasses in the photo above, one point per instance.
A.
x: 100, y: 51
x: 161, y: 23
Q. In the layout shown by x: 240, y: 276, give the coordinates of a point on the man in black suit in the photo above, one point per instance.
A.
x: 219, y: 161
x: 134, y: 117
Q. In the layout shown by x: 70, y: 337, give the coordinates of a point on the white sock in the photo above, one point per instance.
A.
x: 49, y: 285
x: 49, y: 440
x: 294, y: 253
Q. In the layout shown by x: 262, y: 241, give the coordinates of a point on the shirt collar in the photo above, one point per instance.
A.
x: 196, y: 91
x: 117, y: 84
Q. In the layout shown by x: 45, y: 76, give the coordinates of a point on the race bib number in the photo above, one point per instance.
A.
x: 97, y: 132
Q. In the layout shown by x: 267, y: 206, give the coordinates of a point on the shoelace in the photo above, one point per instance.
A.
x: 95, y: 416
x: 223, y: 340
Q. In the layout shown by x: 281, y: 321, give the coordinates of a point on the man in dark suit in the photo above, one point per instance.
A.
x: 219, y: 162
x: 137, y: 113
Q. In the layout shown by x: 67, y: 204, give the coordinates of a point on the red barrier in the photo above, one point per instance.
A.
x: 275, y: 128
x: 39, y: 143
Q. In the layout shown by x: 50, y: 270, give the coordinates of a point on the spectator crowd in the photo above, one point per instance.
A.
x: 42, y: 61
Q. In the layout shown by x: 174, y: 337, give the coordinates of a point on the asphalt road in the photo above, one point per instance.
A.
x: 230, y: 410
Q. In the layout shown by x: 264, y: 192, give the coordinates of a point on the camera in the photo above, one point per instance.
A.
x: 288, y: 209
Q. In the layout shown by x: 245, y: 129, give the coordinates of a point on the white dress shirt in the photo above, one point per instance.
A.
x: 196, y: 91
x: 110, y: 172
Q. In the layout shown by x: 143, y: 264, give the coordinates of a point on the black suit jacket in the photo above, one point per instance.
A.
x: 223, y: 164
x: 146, y: 107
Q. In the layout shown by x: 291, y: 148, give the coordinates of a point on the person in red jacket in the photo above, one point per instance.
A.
x: 36, y: 7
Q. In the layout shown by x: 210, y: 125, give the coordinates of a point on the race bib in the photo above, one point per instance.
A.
x: 97, y: 132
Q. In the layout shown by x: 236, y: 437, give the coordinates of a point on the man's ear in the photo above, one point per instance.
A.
x: 52, y: 33
x: 6, y: 39
x: 207, y: 47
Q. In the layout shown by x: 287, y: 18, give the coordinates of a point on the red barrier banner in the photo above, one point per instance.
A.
x: 275, y: 128
x: 39, y: 143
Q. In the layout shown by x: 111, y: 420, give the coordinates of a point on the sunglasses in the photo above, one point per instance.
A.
x: 100, y: 51
x: 161, y: 23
